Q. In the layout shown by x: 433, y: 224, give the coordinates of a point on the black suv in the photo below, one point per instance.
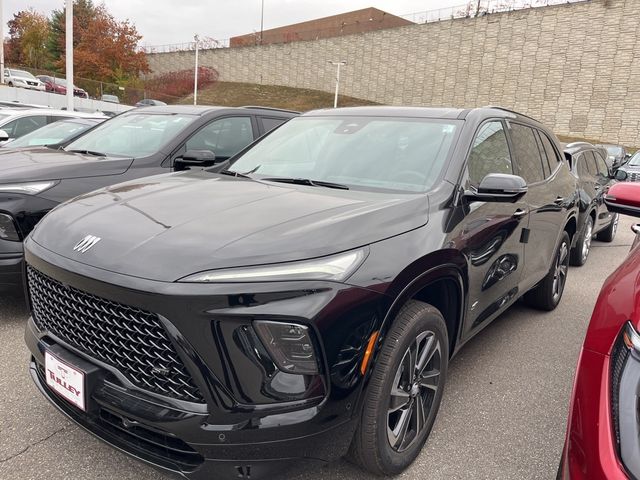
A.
x: 135, y: 144
x: 594, y: 179
x: 303, y: 300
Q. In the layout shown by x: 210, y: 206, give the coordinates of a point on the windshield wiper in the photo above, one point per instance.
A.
x: 89, y: 152
x: 239, y: 174
x: 306, y: 181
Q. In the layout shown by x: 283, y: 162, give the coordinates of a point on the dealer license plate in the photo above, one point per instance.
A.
x: 65, y: 380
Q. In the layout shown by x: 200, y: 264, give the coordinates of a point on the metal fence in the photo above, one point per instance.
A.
x: 470, y: 9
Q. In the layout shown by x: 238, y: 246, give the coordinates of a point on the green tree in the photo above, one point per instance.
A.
x: 28, y: 36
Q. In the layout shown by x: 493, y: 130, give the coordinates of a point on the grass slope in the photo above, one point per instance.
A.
x: 237, y: 94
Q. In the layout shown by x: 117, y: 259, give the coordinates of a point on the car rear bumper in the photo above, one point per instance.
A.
x: 590, y: 452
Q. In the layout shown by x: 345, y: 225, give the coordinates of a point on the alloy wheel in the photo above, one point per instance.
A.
x: 586, y: 244
x: 561, y: 268
x: 413, y: 391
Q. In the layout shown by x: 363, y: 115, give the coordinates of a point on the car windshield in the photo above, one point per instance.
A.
x: 635, y: 160
x: 614, y: 150
x: 22, y: 73
x: 53, y: 133
x: 387, y: 153
x: 134, y: 135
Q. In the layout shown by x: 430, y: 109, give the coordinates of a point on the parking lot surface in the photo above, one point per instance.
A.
x: 503, y: 415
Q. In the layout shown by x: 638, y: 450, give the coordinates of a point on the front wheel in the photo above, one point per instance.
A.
x: 609, y: 233
x: 547, y: 294
x: 404, y: 391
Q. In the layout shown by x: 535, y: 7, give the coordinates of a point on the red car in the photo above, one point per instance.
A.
x: 603, y: 437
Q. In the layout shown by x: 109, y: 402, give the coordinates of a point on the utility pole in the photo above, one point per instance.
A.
x: 195, y: 75
x: 1, y: 42
x: 68, y: 34
x: 338, y: 65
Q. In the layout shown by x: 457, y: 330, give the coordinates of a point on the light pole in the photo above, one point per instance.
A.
x: 68, y: 37
x: 337, y: 64
x: 261, y: 21
x: 195, y: 75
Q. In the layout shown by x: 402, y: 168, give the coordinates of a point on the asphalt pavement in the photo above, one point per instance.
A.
x: 503, y: 415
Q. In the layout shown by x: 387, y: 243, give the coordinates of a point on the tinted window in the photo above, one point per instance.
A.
x: 224, y: 137
x: 583, y: 166
x: 527, y: 153
x: 543, y: 155
x: 601, y: 164
x: 22, y: 126
x: 489, y: 153
x: 591, y: 162
x: 269, y: 123
x: 552, y: 155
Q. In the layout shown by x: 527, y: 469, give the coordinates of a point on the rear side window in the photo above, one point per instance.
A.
x: 591, y: 162
x: 527, y: 153
x: 552, y: 154
x: 601, y: 164
x: 583, y: 166
x: 269, y: 123
x: 489, y: 153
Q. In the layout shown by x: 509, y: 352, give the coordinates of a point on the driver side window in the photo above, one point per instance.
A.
x: 224, y: 137
x: 489, y: 153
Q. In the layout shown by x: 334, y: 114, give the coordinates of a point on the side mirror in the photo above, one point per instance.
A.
x: 197, y: 158
x: 498, y: 187
x: 4, y: 136
x: 624, y: 198
x: 620, y: 175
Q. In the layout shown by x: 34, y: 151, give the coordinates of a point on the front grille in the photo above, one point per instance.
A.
x: 619, y: 356
x: 634, y: 176
x: 127, y: 338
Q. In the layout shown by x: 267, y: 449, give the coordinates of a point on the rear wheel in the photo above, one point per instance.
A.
x: 609, y: 233
x: 547, y: 294
x: 580, y: 252
x: 404, y: 392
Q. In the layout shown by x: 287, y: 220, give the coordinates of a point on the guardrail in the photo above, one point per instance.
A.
x: 34, y: 97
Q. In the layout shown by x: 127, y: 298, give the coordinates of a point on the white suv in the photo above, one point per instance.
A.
x: 23, y: 79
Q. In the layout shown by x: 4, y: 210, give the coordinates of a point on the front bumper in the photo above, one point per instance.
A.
x: 242, y: 425
x: 11, y: 264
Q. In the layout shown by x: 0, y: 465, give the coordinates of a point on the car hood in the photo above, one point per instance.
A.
x: 630, y: 168
x: 25, y: 79
x: 41, y: 163
x: 169, y: 226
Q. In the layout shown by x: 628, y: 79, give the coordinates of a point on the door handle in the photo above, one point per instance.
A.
x: 596, y: 187
x: 559, y: 201
x: 519, y: 213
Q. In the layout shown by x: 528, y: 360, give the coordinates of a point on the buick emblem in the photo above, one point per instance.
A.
x: 86, y: 243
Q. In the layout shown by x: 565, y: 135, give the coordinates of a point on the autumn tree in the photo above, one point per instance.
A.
x: 104, y: 49
x: 28, y: 36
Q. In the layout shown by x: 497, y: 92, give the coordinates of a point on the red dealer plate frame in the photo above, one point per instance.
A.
x: 65, y: 380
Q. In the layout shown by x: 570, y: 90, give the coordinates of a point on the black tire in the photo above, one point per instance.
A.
x: 580, y: 252
x: 547, y: 294
x: 10, y: 84
x: 417, y: 328
x: 609, y: 233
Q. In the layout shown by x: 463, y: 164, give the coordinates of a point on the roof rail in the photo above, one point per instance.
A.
x: 497, y: 107
x: 273, y: 109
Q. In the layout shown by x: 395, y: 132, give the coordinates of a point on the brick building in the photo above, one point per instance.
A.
x: 358, y: 21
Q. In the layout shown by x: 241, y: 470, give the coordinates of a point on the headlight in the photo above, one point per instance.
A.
x: 335, y: 267
x: 8, y: 229
x: 31, y: 188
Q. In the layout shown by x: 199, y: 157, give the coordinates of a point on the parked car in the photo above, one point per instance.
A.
x: 149, y: 102
x: 22, y: 79
x: 616, y: 155
x: 134, y: 144
x: 59, y: 85
x: 603, y: 428
x: 110, y: 98
x: 303, y: 297
x: 594, y: 179
x: 630, y: 171
x: 15, y: 123
x: 55, y: 134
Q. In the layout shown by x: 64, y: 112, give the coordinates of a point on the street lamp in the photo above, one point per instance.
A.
x: 261, y: 21
x: 338, y: 65
x: 195, y: 75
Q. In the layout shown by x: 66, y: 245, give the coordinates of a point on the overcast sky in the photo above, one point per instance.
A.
x: 176, y: 21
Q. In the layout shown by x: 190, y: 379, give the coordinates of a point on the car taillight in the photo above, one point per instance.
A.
x: 625, y: 385
x: 8, y: 229
x: 290, y: 346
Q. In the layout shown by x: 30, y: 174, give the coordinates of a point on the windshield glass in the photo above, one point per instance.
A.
x: 614, y: 150
x: 133, y: 135
x: 635, y: 160
x: 22, y: 73
x: 50, y: 134
x: 401, y: 154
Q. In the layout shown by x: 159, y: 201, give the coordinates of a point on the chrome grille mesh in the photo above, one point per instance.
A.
x: 127, y: 338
